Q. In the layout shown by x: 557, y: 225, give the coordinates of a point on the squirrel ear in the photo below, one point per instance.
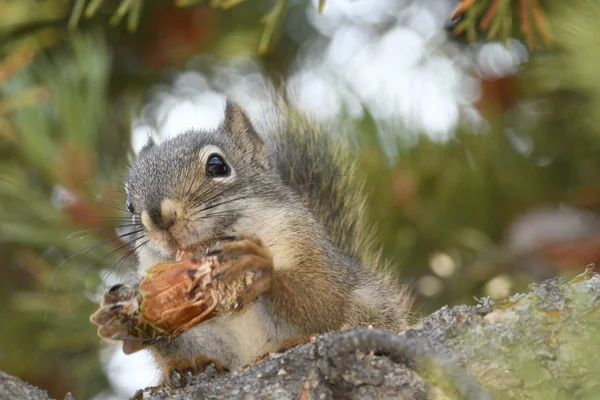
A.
x: 238, y: 124
x: 149, y: 144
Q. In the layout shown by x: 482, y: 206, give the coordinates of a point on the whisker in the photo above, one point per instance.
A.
x: 197, y: 194
x: 93, y: 201
x: 127, y: 188
x: 223, y: 202
x: 85, y: 232
x: 115, y: 191
x: 108, y: 255
x: 188, y: 193
x: 199, y: 197
x: 88, y: 268
x: 90, y: 248
x: 92, y: 217
x: 235, y: 212
x: 125, y: 257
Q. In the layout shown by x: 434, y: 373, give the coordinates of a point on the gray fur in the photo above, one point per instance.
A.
x: 299, y: 195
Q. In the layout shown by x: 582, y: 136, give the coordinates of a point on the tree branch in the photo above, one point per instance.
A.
x: 542, y: 344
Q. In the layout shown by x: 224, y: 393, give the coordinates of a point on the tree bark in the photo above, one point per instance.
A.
x: 14, y: 388
x: 540, y: 345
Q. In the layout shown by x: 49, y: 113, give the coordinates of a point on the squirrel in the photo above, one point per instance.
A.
x: 290, y: 201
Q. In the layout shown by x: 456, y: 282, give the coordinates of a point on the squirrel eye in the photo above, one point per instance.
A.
x: 129, y: 205
x: 216, y: 166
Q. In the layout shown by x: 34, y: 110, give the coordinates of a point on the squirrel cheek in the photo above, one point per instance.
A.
x: 147, y: 221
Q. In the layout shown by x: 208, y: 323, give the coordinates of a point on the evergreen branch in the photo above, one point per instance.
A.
x: 498, y: 18
x: 133, y: 9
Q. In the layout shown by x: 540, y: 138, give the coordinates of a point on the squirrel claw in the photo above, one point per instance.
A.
x: 214, y: 252
x: 180, y: 378
x: 258, y: 287
x: 179, y: 372
x: 230, y: 237
x: 112, y: 325
x: 239, y: 253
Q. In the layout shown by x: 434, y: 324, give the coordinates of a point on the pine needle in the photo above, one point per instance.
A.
x: 16, y: 61
x: 76, y: 14
x: 272, y: 20
x: 134, y: 16
x: 227, y: 4
x: 498, y: 17
x: 490, y: 14
x: 121, y: 11
x: 92, y: 7
x: 461, y: 8
x: 540, y: 22
x: 24, y: 98
x: 321, y: 6
x: 187, y: 3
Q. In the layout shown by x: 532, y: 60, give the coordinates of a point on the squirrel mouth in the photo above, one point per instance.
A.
x: 196, y: 250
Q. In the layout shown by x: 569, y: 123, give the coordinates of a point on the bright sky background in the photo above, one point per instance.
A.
x: 410, y: 73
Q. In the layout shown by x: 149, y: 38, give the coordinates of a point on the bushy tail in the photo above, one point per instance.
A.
x: 323, y: 171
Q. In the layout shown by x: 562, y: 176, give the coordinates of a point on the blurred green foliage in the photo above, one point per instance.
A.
x: 71, y: 82
x: 53, y: 141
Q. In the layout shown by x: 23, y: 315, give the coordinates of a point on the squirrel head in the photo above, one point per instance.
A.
x: 185, y: 191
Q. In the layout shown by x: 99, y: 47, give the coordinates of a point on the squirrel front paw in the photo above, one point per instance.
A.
x: 177, y: 373
x: 237, y: 254
x: 112, y: 324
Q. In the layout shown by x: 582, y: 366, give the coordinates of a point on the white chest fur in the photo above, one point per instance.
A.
x: 235, y: 340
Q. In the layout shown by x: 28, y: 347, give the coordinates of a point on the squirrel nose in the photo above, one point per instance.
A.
x: 161, y: 215
x: 160, y: 220
x: 166, y: 222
